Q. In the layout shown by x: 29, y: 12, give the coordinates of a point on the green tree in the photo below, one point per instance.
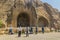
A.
x: 1, y: 23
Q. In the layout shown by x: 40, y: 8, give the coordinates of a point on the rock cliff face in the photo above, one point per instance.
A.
x: 39, y: 8
x: 54, y: 13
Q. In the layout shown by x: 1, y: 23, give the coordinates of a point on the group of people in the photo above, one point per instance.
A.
x: 27, y: 29
x: 19, y: 29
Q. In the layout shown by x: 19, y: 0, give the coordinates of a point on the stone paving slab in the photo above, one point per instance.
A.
x: 40, y: 36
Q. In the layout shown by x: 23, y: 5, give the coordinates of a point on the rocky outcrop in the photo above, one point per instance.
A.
x: 37, y: 8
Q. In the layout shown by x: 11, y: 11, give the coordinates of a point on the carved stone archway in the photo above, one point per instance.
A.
x: 43, y: 22
x: 23, y: 20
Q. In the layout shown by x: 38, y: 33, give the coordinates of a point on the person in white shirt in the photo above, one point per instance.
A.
x: 27, y: 34
x: 19, y: 31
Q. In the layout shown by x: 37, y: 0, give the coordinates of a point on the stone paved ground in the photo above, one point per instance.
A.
x: 40, y: 36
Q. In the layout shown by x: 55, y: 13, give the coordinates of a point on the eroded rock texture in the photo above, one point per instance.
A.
x: 36, y: 9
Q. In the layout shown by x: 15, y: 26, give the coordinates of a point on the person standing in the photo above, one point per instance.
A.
x: 19, y: 31
x: 31, y: 30
x: 42, y: 26
x: 27, y: 34
x: 36, y: 30
x: 10, y: 30
x: 42, y: 29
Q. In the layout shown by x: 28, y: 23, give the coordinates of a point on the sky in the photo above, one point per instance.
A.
x: 54, y: 3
